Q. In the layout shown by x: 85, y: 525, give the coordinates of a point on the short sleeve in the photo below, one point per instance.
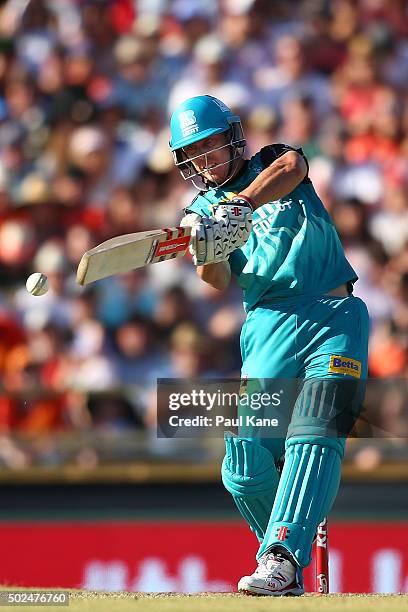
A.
x: 199, y: 205
x: 272, y: 152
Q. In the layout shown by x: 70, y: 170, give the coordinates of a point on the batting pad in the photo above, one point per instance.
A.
x: 250, y: 475
x: 308, y: 487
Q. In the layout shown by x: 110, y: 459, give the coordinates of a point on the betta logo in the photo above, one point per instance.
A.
x: 345, y: 365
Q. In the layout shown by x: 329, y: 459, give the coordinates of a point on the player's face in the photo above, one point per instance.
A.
x: 211, y: 155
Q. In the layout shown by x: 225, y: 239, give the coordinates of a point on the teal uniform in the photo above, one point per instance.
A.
x: 292, y: 259
x: 293, y: 329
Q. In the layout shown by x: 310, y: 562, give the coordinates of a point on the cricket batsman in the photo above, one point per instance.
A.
x: 261, y: 221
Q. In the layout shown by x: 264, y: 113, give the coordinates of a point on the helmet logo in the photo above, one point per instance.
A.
x: 188, y: 123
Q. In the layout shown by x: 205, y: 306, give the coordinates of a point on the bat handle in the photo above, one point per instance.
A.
x: 322, y: 558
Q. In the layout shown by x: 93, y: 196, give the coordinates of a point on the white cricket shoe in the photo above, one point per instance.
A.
x: 274, y: 575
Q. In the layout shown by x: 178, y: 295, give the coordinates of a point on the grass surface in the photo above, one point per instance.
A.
x: 229, y: 602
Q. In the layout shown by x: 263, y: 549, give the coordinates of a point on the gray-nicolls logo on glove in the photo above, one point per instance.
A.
x: 213, y: 239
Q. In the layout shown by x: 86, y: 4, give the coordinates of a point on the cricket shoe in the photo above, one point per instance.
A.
x: 274, y: 576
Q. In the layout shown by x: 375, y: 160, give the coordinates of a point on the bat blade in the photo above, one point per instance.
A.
x: 131, y: 251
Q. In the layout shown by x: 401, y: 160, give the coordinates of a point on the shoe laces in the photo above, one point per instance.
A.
x: 268, y: 563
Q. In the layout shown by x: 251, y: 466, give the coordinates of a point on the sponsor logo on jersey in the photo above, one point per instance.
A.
x: 266, y: 216
x: 345, y: 365
x: 188, y: 123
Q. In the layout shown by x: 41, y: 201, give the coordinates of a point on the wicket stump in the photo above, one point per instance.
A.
x: 322, y: 558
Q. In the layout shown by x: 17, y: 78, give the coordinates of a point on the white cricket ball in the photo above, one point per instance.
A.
x: 37, y: 284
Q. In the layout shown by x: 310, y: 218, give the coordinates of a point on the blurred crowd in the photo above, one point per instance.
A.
x: 86, y: 90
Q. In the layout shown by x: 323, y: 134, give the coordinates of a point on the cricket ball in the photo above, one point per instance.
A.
x: 37, y: 284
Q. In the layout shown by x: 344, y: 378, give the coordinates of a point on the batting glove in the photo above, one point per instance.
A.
x: 205, y: 243
x: 194, y: 221
x: 214, y: 238
x: 235, y: 217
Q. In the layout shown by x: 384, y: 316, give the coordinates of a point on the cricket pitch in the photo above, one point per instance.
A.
x: 82, y: 601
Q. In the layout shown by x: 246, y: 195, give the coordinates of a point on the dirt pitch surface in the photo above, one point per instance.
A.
x: 89, y: 601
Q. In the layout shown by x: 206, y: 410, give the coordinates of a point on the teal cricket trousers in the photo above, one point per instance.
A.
x: 320, y: 343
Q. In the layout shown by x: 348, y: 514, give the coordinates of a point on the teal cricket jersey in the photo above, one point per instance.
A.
x: 293, y: 249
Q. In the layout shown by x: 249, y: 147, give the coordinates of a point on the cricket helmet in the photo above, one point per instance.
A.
x: 196, y: 119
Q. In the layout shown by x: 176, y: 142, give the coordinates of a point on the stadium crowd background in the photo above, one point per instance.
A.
x: 86, y: 90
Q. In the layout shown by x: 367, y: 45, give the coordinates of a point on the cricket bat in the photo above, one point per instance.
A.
x: 130, y: 251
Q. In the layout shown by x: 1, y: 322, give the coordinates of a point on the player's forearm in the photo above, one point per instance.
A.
x: 218, y: 275
x: 276, y: 181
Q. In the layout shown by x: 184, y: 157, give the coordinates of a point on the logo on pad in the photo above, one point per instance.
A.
x: 282, y: 533
x: 345, y: 365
